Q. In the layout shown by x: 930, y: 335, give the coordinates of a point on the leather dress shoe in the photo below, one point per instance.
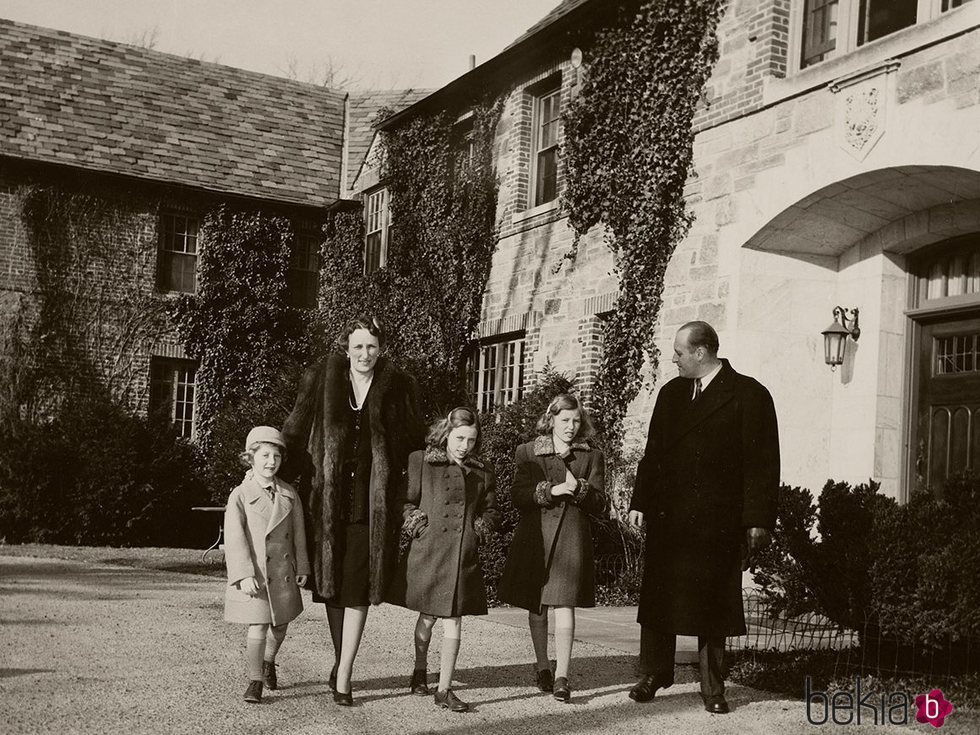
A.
x: 450, y: 701
x: 418, y: 683
x: 716, y: 705
x: 646, y: 688
x: 544, y: 680
x: 344, y: 699
x: 562, y: 692
x: 253, y: 695
x: 269, y: 675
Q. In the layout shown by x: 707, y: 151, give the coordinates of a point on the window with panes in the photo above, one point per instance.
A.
x: 377, y: 225
x: 544, y: 144
x: 303, y: 276
x: 495, y: 372
x: 172, y: 392
x: 835, y: 27
x: 177, y: 252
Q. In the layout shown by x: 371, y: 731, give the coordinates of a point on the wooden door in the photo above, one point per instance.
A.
x: 948, y: 411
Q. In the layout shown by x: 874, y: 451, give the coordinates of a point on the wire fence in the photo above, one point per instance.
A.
x: 865, y: 652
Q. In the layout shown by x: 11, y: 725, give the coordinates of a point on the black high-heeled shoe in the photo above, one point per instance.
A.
x: 344, y: 699
x: 332, y: 681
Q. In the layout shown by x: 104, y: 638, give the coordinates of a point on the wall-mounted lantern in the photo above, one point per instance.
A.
x: 835, y: 336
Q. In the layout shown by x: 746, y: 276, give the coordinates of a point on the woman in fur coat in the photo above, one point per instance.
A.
x: 348, y: 438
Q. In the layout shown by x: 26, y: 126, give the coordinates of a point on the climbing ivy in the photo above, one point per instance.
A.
x: 627, y: 153
x: 430, y: 293
x: 93, y: 258
x: 239, y: 325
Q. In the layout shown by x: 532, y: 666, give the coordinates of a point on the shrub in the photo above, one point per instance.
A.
x: 905, y: 573
x: 96, y: 474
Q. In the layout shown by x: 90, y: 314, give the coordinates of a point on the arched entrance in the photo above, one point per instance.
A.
x: 903, y: 244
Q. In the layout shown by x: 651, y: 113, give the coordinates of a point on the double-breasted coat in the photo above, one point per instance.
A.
x: 442, y: 574
x: 265, y: 539
x: 550, y: 561
x: 316, y: 433
x: 710, y: 471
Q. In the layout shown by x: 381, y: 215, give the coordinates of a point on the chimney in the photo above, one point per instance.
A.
x: 472, y: 62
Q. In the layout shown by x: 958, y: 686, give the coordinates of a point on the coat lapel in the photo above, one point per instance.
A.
x: 257, y: 499
x: 281, y: 507
x: 719, y: 392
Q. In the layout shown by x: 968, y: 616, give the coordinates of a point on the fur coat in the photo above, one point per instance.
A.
x: 316, y: 432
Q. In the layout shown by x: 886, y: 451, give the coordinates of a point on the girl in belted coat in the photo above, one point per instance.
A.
x: 449, y: 504
x: 265, y: 553
x: 558, y: 484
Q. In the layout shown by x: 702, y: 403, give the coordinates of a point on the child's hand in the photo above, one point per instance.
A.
x: 249, y: 586
x: 300, y: 580
x: 562, y: 489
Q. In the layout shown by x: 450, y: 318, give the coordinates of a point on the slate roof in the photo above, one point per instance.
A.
x: 112, y: 107
x: 559, y: 11
x: 361, y: 116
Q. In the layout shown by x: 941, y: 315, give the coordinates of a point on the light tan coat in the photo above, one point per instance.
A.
x: 265, y: 540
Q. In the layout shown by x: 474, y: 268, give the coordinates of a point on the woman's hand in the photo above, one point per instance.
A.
x: 415, y: 523
x: 249, y: 586
x: 300, y: 580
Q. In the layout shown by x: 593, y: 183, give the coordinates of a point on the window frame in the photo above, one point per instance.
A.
x: 849, y: 22
x: 502, y: 392
x: 167, y: 252
x: 303, y: 278
x: 381, y: 217
x: 546, y: 90
x: 168, y: 388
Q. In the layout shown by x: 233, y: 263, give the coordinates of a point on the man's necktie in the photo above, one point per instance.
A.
x: 697, y: 389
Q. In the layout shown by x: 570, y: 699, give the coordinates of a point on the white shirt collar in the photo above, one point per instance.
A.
x: 710, y: 376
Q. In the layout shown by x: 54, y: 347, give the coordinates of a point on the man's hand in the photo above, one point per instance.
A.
x: 635, y: 518
x: 756, y: 539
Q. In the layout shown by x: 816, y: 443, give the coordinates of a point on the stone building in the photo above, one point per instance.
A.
x: 835, y: 164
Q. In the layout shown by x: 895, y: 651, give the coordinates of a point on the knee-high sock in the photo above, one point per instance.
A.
x: 274, y: 639
x: 254, y: 648
x: 447, y: 662
x: 539, y: 638
x: 335, y: 619
x: 423, y: 634
x: 564, y: 635
x: 563, y: 650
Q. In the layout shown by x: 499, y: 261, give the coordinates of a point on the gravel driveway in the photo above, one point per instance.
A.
x: 91, y: 647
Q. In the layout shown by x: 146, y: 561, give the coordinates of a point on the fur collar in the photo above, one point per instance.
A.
x: 437, y: 455
x: 545, y: 445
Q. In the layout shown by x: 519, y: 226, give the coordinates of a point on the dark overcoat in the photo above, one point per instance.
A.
x: 315, y: 433
x: 553, y: 540
x: 264, y: 539
x: 710, y: 470
x: 443, y: 576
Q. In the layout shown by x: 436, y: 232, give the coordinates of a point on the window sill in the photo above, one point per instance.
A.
x: 527, y: 214
x: 897, y: 45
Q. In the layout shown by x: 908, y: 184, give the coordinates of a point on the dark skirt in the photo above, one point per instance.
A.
x: 352, y: 568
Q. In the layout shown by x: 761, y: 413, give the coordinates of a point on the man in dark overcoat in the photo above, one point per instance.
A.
x: 706, y: 487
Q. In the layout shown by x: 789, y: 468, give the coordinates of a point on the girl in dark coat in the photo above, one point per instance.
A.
x: 558, y: 482
x: 349, y: 435
x: 449, y: 505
